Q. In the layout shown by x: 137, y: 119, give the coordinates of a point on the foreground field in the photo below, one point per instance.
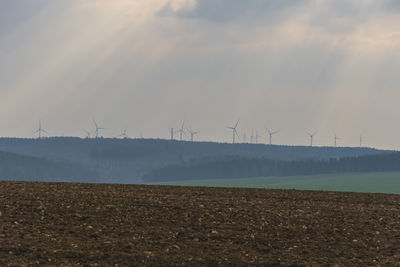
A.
x: 97, y: 224
x: 384, y: 182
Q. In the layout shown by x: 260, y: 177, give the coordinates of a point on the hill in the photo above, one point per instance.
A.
x: 128, y: 160
x: 20, y: 167
x: 241, y: 167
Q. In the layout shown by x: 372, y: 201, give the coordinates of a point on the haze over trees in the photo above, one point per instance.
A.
x: 242, y: 167
x: 21, y: 167
x: 140, y: 160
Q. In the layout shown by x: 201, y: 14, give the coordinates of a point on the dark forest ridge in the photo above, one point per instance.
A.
x: 284, y: 152
x: 128, y: 160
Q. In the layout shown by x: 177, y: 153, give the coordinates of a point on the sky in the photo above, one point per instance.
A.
x: 330, y: 66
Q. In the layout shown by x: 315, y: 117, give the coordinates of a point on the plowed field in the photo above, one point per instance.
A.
x: 98, y: 224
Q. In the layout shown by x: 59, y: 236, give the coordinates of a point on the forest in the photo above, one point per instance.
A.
x: 241, y: 167
x: 115, y: 160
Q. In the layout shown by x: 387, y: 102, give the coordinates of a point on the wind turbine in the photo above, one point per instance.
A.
x: 336, y: 138
x: 172, y: 133
x: 97, y: 128
x: 234, y: 131
x: 88, y: 133
x: 361, y: 139
x: 40, y: 130
x: 181, y: 131
x: 252, y: 136
x: 271, y: 134
x: 311, y: 137
x: 123, y: 134
x: 192, y: 133
x: 257, y: 135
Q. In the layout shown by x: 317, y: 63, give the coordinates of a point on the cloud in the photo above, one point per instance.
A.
x: 391, y: 5
x: 16, y: 13
x: 333, y: 16
x: 149, y: 64
x: 231, y: 10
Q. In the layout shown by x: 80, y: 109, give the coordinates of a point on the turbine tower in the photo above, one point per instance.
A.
x: 234, y: 131
x: 172, y: 133
x: 336, y: 138
x: 88, y: 133
x: 181, y: 131
x: 40, y: 130
x: 271, y: 133
x: 123, y: 134
x: 192, y: 133
x: 311, y: 137
x: 97, y: 128
x: 257, y: 136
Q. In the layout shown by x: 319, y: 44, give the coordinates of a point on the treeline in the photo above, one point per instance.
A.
x: 167, y: 150
x: 242, y: 167
x: 78, y: 149
x: 14, y: 166
x: 127, y: 160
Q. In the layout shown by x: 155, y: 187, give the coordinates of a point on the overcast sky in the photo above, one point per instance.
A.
x: 147, y: 65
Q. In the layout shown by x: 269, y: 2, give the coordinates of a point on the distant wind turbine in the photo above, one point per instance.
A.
x: 124, y: 135
x: 192, y: 133
x: 172, y: 133
x: 97, y: 128
x: 335, y: 139
x: 181, y: 131
x: 234, y: 131
x: 88, y: 133
x: 361, y: 140
x: 40, y: 130
x: 311, y: 137
x: 257, y: 136
x: 271, y: 133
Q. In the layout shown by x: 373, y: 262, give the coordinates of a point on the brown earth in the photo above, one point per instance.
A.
x: 96, y: 224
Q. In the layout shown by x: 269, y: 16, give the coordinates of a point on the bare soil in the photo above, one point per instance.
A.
x: 98, y: 224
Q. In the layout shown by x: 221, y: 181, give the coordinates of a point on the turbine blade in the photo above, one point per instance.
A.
x: 236, y: 124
